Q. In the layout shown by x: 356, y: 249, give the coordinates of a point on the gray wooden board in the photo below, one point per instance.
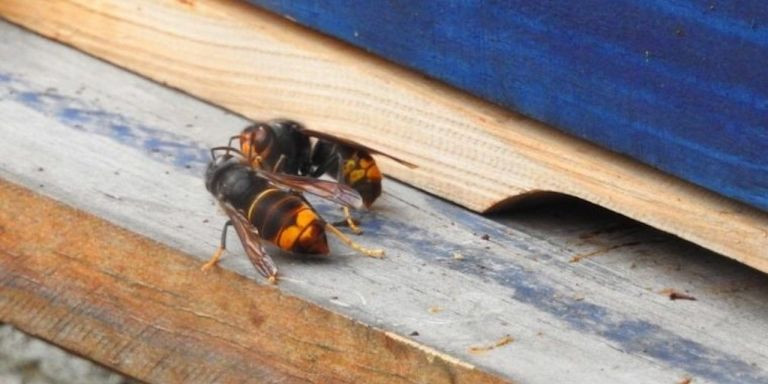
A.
x: 131, y: 151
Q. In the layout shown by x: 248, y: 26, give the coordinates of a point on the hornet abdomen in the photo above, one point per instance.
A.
x: 287, y: 221
x: 361, y: 173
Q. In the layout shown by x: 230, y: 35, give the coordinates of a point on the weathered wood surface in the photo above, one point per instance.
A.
x: 146, y: 310
x: 124, y: 149
x: 469, y: 151
x: 678, y: 84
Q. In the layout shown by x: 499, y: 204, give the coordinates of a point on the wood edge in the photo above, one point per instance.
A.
x: 96, y: 289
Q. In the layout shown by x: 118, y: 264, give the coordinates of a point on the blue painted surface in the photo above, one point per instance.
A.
x: 75, y: 112
x: 680, y: 85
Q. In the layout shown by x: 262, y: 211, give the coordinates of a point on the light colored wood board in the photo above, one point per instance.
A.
x: 469, y: 151
x: 118, y: 146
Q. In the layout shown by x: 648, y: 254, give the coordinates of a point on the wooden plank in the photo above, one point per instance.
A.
x: 140, y: 308
x: 127, y: 150
x: 678, y: 85
x: 469, y: 151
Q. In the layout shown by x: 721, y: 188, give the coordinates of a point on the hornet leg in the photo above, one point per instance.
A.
x: 377, y: 253
x: 347, y: 215
x: 219, y: 251
x: 349, y: 222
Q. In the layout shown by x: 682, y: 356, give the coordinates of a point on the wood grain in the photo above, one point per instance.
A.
x: 142, y: 308
x: 469, y: 151
x: 678, y: 85
x: 125, y: 149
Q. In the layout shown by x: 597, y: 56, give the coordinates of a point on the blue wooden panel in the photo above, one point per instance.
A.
x: 680, y: 85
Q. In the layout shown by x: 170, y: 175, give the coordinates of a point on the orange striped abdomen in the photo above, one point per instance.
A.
x: 288, y: 221
x: 361, y: 173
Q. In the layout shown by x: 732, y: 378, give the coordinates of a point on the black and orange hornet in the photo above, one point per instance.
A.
x: 263, y: 205
x: 284, y: 146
